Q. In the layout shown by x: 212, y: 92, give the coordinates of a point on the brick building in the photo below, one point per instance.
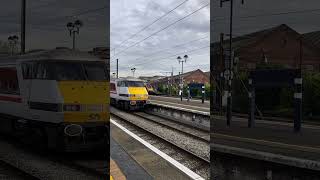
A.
x: 279, y: 45
x: 196, y: 76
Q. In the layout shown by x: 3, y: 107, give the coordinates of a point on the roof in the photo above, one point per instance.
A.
x: 151, y: 78
x: 313, y: 38
x: 55, y: 54
x: 182, y: 75
x: 245, y: 40
x: 126, y: 79
x: 187, y: 73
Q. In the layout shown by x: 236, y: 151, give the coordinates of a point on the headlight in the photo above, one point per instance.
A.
x: 73, y: 130
x: 71, y: 107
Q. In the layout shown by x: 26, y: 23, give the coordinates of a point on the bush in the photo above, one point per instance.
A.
x: 240, y: 95
x: 311, y: 94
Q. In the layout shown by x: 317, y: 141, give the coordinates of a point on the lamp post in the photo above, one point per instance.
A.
x: 133, y: 70
x: 181, y: 79
x: 74, y: 28
x: 13, y: 40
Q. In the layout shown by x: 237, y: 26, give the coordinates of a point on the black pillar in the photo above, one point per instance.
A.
x: 252, y: 102
x: 23, y: 26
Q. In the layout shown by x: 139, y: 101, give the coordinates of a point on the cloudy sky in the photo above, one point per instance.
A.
x: 157, y: 54
x: 47, y: 19
x: 254, y: 15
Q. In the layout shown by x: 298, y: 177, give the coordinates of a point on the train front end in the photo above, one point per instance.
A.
x: 132, y: 94
x: 85, y: 115
x: 138, y: 95
x: 68, y: 100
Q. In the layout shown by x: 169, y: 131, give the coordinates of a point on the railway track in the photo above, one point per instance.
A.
x: 197, y: 133
x: 182, y: 147
x: 14, y: 173
x: 38, y: 164
x: 87, y: 165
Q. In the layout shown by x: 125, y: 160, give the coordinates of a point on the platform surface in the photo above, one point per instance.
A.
x: 115, y: 171
x: 126, y: 165
x: 193, y: 104
x: 144, y: 164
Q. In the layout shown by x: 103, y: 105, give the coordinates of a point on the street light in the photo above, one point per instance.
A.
x: 73, y: 28
x: 185, y: 58
x: 182, y: 61
x: 181, y: 80
x: 13, y: 40
x: 133, y: 70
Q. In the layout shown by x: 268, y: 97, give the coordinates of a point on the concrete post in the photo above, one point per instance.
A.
x: 298, y: 103
x: 203, y: 93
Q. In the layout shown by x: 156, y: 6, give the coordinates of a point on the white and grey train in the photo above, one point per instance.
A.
x: 56, y: 97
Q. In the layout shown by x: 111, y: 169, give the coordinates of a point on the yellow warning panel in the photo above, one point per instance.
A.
x: 115, y: 171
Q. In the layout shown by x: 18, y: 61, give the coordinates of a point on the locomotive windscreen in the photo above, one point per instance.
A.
x: 64, y: 71
x: 135, y: 84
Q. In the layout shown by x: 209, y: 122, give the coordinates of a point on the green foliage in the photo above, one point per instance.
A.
x: 4, y: 47
x: 207, y: 90
x: 311, y: 94
x: 240, y: 95
x: 162, y: 89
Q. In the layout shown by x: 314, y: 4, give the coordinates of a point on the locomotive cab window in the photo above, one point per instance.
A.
x: 112, y: 87
x: 130, y: 84
x: 135, y: 84
x: 65, y: 71
x: 9, y: 81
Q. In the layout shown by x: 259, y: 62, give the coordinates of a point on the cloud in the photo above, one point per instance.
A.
x: 139, y: 13
x: 47, y: 19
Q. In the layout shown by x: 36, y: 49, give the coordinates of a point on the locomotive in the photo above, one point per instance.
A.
x: 59, y: 96
x: 128, y: 93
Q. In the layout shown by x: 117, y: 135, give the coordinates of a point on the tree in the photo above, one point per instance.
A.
x: 4, y: 48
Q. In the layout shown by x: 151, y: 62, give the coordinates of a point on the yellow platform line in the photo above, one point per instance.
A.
x: 115, y: 172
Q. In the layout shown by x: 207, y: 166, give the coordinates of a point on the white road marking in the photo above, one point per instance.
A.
x: 178, y: 165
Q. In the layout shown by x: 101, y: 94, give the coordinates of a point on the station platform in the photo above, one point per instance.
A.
x: 115, y: 171
x: 137, y: 161
x: 274, y: 141
x: 193, y: 104
x: 123, y: 166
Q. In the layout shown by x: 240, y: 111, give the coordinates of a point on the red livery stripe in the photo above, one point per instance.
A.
x: 10, y: 98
